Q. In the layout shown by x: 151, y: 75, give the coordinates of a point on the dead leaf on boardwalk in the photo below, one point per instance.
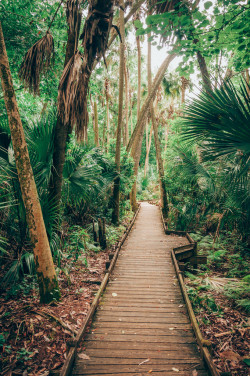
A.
x: 83, y: 356
x: 144, y: 361
x: 150, y: 371
x: 230, y: 355
x: 175, y: 369
x: 194, y: 373
x: 114, y: 294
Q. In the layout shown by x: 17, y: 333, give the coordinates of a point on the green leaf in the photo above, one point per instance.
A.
x: 247, y: 361
x: 208, y: 4
x: 138, y: 24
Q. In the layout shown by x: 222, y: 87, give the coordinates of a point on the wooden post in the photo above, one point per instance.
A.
x: 94, y: 233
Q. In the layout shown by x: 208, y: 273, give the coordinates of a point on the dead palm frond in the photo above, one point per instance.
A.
x: 218, y: 283
x: 94, y: 40
x: 36, y: 61
x: 71, y: 93
x: 73, y: 15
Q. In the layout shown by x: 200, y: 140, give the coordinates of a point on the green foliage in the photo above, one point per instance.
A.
x: 240, y: 293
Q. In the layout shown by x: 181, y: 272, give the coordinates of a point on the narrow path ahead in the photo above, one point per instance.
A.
x: 142, y: 326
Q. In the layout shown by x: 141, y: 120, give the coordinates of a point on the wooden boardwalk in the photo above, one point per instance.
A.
x: 141, y: 326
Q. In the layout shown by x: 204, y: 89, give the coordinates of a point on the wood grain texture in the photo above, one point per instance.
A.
x: 141, y: 325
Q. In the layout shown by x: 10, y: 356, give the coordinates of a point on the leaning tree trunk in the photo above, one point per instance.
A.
x: 135, y: 142
x: 164, y: 201
x: 145, y: 108
x: 116, y: 193
x: 47, y: 280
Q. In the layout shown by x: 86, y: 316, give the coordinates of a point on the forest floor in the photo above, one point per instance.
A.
x: 225, y: 325
x: 33, y: 336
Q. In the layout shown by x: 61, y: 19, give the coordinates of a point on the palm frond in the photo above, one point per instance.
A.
x: 36, y: 61
x: 220, y: 120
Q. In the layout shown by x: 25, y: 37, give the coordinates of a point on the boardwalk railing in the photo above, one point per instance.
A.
x: 73, y: 344
x: 189, y: 253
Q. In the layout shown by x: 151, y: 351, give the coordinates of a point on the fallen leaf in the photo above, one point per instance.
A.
x: 114, y: 294
x: 83, y: 356
x: 150, y: 371
x: 175, y: 369
x: 171, y: 328
x: 194, y: 373
x: 230, y: 355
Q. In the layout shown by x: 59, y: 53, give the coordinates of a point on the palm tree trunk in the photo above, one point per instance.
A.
x: 62, y: 131
x: 47, y: 279
x: 96, y: 130
x: 116, y: 193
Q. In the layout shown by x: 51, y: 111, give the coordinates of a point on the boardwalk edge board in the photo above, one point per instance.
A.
x: 204, y: 345
x: 73, y: 344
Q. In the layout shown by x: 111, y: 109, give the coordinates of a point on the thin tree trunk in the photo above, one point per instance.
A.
x: 204, y: 72
x: 107, y: 113
x: 47, y: 280
x: 116, y: 193
x: 126, y: 103
x: 139, y: 76
x: 96, y: 130
x: 148, y: 151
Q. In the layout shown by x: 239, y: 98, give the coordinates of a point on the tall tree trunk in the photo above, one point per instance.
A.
x: 164, y: 201
x: 116, y: 193
x: 126, y: 104
x: 107, y: 112
x: 47, y: 280
x: 62, y: 131
x: 148, y: 151
x: 204, y: 72
x: 96, y: 130
x: 139, y: 76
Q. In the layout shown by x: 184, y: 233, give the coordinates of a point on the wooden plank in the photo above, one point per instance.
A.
x: 134, y: 361
x: 170, y: 331
x: 145, y: 368
x: 154, y: 372
x: 139, y: 338
x: 129, y: 325
x: 140, y: 310
x: 172, y: 319
x: 132, y: 349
